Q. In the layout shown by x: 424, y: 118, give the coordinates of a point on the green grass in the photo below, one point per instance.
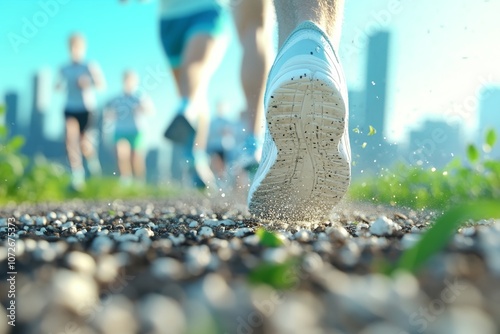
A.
x: 418, y: 187
x: 43, y: 181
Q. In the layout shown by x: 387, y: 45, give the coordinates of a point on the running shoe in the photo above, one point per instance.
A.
x: 305, y: 168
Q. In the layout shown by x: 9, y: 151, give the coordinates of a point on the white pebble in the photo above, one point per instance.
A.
x: 242, y: 231
x: 167, y: 268
x: 338, y: 232
x: 275, y: 255
x: 253, y: 240
x: 384, y: 226
x: 81, y: 262
x: 409, y: 240
x: 144, y: 233
x: 160, y: 313
x: 41, y: 221
x: 302, y: 235
x: 74, y: 291
x: 197, y: 258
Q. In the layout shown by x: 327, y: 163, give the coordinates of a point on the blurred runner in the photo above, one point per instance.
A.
x: 126, y: 110
x: 192, y: 38
x: 79, y: 80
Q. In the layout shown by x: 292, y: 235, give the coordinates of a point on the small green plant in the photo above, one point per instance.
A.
x: 440, y: 233
x: 281, y: 276
x: 268, y: 239
x: 418, y: 187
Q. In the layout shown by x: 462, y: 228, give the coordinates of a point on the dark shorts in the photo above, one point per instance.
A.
x: 175, y: 33
x: 82, y: 117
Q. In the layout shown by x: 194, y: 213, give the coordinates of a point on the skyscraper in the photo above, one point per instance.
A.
x: 376, y: 81
x: 489, y: 116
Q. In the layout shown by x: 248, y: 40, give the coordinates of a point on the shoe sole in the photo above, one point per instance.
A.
x: 306, y: 118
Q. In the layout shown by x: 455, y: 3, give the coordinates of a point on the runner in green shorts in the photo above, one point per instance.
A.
x: 126, y: 109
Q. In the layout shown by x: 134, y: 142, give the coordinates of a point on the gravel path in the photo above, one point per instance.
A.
x: 185, y: 267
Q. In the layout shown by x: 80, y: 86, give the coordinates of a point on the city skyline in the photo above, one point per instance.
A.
x: 452, y: 41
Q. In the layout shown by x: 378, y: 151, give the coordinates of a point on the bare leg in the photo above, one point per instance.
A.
x: 72, y: 144
x: 138, y: 165
x: 124, y: 158
x: 327, y: 14
x: 253, y: 30
x: 201, y: 58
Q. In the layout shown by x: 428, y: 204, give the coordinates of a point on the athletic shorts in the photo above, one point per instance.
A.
x: 134, y: 138
x: 176, y: 32
x: 82, y: 117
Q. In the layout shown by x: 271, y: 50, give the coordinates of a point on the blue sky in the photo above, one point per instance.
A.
x: 442, y: 53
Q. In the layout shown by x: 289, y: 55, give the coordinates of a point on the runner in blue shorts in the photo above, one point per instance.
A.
x: 126, y: 110
x: 191, y: 33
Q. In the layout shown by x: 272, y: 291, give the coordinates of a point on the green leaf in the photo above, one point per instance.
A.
x: 3, y: 131
x: 356, y: 130
x: 363, y: 145
x: 2, y: 110
x: 15, y: 144
x: 372, y: 131
x: 438, y: 236
x: 491, y: 138
x: 268, y: 239
x: 472, y: 153
x: 279, y: 276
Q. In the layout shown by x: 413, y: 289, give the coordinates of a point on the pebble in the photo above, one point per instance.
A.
x: 51, y: 216
x: 74, y: 291
x: 26, y: 219
x: 322, y: 246
x: 302, y: 235
x: 193, y: 224
x: 409, y: 240
x: 468, y: 231
x: 337, y: 233
x: 242, y: 231
x: 160, y: 314
x: 275, y: 255
x: 415, y: 229
x: 117, y: 315
x: 197, y: 258
x: 81, y: 262
x: 253, y: 240
x: 40, y: 221
x: 350, y: 253
x: 179, y: 240
x: 384, y: 226
x: 101, y: 245
x: 144, y: 233
x: 106, y: 268
x: 167, y: 268
x: 205, y: 232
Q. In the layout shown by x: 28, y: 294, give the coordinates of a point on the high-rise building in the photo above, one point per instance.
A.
x: 489, y: 117
x: 434, y: 144
x: 11, y: 104
x: 376, y: 81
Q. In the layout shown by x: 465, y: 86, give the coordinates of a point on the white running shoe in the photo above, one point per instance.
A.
x: 305, y: 168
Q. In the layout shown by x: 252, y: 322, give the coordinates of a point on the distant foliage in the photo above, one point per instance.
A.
x: 418, y: 187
